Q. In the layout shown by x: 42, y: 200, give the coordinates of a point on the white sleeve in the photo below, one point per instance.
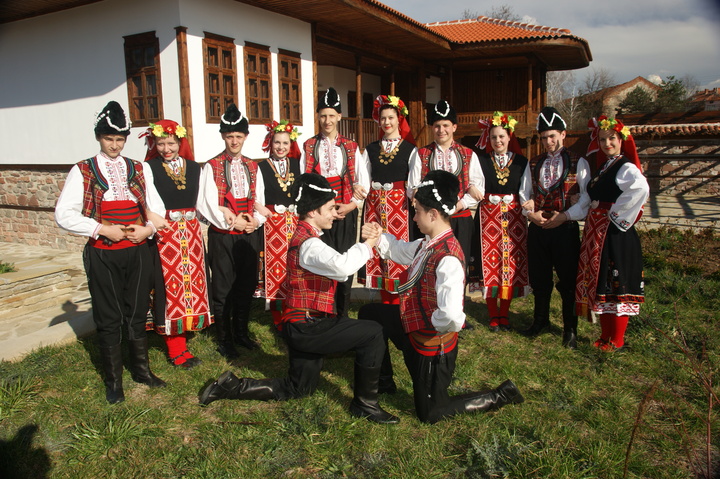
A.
x: 414, y: 178
x: 363, y: 170
x: 635, y: 191
x: 525, y: 192
x: 154, y: 201
x: 207, y: 204
x: 450, y: 276
x: 319, y: 258
x: 475, y: 177
x: 480, y: 180
x: 259, y: 196
x: 579, y: 210
x: 68, y: 210
x: 400, y: 251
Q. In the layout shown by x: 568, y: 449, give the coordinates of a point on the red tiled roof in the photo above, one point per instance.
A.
x: 486, y: 29
x: 678, y: 130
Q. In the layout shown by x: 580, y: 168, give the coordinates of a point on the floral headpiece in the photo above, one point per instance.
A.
x: 605, y: 123
x: 163, y: 131
x: 506, y: 121
x: 399, y: 105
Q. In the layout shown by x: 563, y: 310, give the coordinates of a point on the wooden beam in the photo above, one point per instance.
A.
x: 392, y: 80
x: 184, y: 79
x: 360, y: 140
x: 313, y: 49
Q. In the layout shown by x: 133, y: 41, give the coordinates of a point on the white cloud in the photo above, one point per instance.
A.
x: 656, y: 79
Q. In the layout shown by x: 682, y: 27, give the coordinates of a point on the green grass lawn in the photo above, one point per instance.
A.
x: 643, y: 413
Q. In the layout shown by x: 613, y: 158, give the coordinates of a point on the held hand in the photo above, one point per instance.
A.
x: 158, y: 221
x: 263, y: 210
x: 240, y: 223
x: 536, y: 218
x: 459, y: 206
x: 555, y: 220
x: 359, y: 192
x: 137, y: 233
x: 529, y: 205
x: 251, y: 223
x: 371, y: 231
x: 344, y: 209
x: 574, y: 198
x: 475, y: 192
x: 228, y: 215
x: 114, y: 233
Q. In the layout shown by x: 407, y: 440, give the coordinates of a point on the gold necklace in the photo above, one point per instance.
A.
x: 286, y: 180
x: 386, y: 158
x: 178, y: 178
x: 502, y: 174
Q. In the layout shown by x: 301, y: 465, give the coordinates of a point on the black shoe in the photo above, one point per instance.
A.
x: 245, y: 341
x: 222, y: 388
x: 505, y: 327
x: 535, y: 329
x: 468, y: 326
x: 509, y: 393
x: 365, y: 402
x: 140, y: 364
x: 113, y: 369
x: 386, y: 385
x: 227, y: 350
x: 494, y: 329
x: 569, y: 339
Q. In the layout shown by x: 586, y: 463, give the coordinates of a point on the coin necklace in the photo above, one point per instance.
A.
x: 179, y: 177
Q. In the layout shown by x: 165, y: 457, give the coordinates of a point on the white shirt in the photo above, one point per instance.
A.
x: 525, y: 192
x: 319, y: 258
x: 579, y: 210
x: 362, y: 175
x: 68, y: 210
x: 446, y: 160
x: 635, y: 192
x: 366, y: 168
x: 450, y: 275
x: 208, y: 205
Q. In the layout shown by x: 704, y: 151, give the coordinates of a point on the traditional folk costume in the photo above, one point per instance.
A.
x: 310, y: 326
x: 458, y: 160
x: 112, y: 191
x: 610, y: 275
x: 181, y: 301
x: 388, y: 161
x: 426, y: 323
x: 233, y: 255
x: 556, y: 179
x: 337, y: 161
x: 506, y: 185
x: 278, y: 175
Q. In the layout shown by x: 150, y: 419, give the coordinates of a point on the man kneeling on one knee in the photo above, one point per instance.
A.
x: 426, y: 323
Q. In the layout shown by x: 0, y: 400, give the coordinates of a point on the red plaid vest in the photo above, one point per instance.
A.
x: 348, y: 147
x: 557, y: 197
x: 95, y: 185
x: 418, y: 302
x: 464, y: 154
x: 221, y: 172
x: 307, y: 290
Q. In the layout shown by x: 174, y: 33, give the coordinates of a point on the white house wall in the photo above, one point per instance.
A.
x: 343, y: 80
x: 67, y: 65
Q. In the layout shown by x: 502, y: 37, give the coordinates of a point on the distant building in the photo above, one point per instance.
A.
x: 706, y: 100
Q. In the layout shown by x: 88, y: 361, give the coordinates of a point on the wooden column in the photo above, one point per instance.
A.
x: 313, y: 48
x: 392, y: 80
x: 358, y: 102
x: 416, y: 106
x: 184, y: 78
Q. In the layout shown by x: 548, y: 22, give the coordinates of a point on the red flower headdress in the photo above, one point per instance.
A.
x: 628, y: 147
x: 163, y: 129
x: 283, y: 127
x: 498, y: 119
x: 399, y: 105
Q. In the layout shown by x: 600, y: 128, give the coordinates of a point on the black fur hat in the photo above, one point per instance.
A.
x: 112, y: 120
x: 310, y: 191
x: 330, y: 99
x: 550, y: 119
x: 442, y: 111
x: 439, y: 189
x: 233, y: 120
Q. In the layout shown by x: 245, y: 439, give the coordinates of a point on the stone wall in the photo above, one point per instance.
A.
x: 27, y: 201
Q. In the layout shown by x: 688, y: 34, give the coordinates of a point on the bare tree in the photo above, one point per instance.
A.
x: 593, y: 92
x: 562, y: 93
x: 503, y: 12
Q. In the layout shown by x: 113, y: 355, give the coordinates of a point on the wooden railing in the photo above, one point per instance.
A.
x: 351, y: 127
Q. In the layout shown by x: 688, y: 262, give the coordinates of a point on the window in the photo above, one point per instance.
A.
x: 142, y: 66
x: 258, y: 83
x: 290, y: 86
x: 220, y: 75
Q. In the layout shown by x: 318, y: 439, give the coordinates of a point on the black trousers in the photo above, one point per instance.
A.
x: 341, y: 237
x: 557, y: 248
x: 431, y: 375
x: 309, y: 342
x: 233, y: 261
x: 119, y: 282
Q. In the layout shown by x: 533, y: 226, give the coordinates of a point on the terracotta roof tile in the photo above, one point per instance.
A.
x: 679, y: 129
x: 486, y: 29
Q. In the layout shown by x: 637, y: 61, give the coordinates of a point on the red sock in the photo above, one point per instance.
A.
x: 388, y: 298
x: 607, y: 322
x: 618, y: 334
x: 492, y: 310
x: 504, y: 310
x: 176, y: 346
x: 277, y: 317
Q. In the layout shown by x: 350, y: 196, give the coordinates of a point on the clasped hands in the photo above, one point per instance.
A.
x: 371, y: 233
x: 244, y: 222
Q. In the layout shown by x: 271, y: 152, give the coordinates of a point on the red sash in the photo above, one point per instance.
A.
x: 123, y: 212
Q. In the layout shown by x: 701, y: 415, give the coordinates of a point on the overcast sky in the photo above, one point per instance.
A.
x: 629, y: 38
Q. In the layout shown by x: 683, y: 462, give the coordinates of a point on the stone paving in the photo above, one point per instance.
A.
x: 46, y: 301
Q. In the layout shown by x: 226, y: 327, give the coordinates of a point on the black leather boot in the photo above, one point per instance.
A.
x: 570, y: 321
x: 140, y: 364
x: 113, y: 370
x: 223, y: 336
x: 365, y: 403
x: 242, y: 335
x: 541, y: 316
x: 386, y: 383
x: 506, y: 393
x: 229, y: 386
